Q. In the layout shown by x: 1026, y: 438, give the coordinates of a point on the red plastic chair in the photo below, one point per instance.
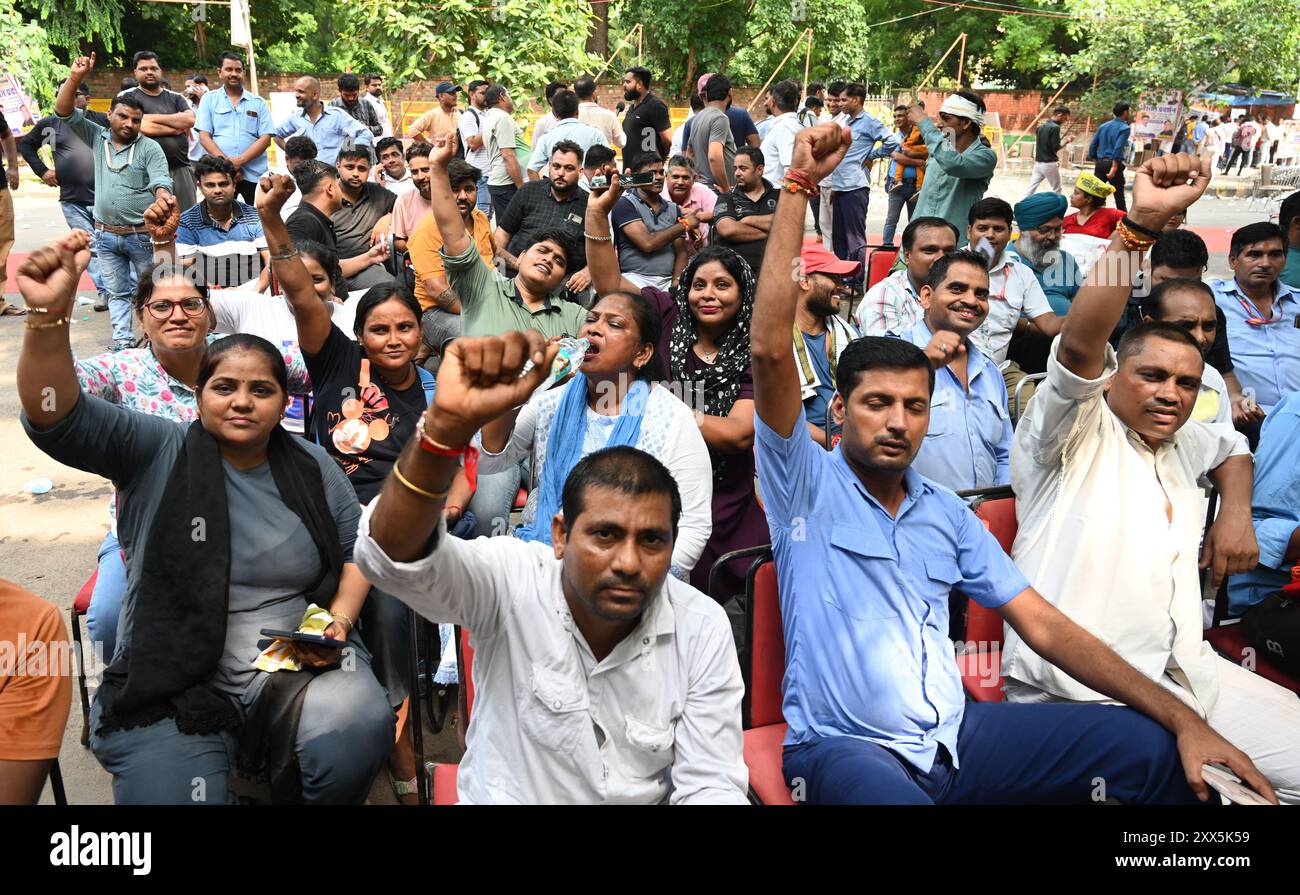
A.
x: 521, y: 498
x: 984, y: 625
x: 879, y: 263
x: 761, y: 708
x: 80, y: 606
x: 445, y: 773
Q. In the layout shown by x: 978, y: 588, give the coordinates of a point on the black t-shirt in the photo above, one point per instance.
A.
x: 651, y: 114
x: 363, y: 425
x: 308, y: 222
x: 177, y: 148
x: 736, y: 204
x: 534, y: 210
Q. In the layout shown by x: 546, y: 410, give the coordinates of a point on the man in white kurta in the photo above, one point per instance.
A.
x: 1105, y: 465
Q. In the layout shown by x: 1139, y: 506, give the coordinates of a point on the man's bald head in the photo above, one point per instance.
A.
x: 306, y: 90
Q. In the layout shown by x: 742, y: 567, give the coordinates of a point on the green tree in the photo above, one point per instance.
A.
x: 27, y: 50
x: 517, y: 42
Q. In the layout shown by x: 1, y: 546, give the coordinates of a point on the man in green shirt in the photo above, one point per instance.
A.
x: 1288, y: 219
x: 961, y: 161
x: 492, y: 304
x: 130, y: 173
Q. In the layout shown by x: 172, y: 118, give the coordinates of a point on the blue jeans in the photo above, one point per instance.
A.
x: 493, y: 499
x: 902, y: 194
x: 484, y: 200
x: 106, y: 599
x: 119, y: 255
x: 345, y: 732
x: 1008, y: 755
x: 78, y: 218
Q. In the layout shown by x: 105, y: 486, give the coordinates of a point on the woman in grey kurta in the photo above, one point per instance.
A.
x: 346, y: 726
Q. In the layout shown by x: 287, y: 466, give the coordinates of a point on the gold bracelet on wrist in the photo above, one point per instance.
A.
x: 430, y: 495
x: 339, y: 615
x: 60, y: 321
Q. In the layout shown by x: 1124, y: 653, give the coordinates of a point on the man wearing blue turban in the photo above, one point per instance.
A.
x: 1040, y: 218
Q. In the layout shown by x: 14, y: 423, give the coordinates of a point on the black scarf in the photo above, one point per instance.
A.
x: 179, y: 620
x: 722, y: 377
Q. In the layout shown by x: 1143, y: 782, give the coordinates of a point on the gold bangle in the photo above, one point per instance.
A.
x: 50, y: 325
x: 339, y: 615
x: 416, y: 488
x: 32, y: 309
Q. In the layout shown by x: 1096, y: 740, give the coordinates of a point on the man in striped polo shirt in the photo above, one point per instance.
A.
x: 221, y: 233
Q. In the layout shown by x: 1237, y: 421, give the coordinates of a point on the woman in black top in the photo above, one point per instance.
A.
x: 368, y: 396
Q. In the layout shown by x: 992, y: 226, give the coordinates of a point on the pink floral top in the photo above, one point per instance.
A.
x: 136, y: 380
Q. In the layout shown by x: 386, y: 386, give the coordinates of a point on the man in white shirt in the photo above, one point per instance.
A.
x: 599, y: 678
x: 474, y: 138
x: 592, y: 114
x: 391, y: 173
x: 375, y: 96
x: 1016, y: 298
x: 1105, y: 466
x: 779, y: 141
x: 894, y: 305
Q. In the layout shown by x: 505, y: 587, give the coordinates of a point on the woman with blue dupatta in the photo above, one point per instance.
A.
x: 614, y: 399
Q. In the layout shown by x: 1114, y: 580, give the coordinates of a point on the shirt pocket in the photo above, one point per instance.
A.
x: 553, y: 709
x: 941, y: 576
x: 134, y: 178
x: 250, y: 124
x: 651, y: 749
x: 865, y: 548
x: 943, y: 405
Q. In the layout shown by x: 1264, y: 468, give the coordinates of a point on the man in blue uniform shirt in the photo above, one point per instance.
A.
x: 867, y: 552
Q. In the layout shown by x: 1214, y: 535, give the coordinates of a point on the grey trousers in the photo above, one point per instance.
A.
x: 1049, y: 171
x: 345, y: 734
x: 184, y: 186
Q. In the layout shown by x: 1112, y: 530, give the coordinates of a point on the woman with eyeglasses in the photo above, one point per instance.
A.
x: 230, y: 525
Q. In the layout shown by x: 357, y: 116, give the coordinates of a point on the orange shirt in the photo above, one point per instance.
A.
x: 424, y: 246
x: 36, y: 681
x: 435, y: 121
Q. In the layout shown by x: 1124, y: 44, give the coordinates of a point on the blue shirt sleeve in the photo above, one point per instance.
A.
x: 789, y: 471
x: 1276, y: 502
x: 203, y: 120
x: 988, y: 576
x: 287, y: 128
x: 265, y: 123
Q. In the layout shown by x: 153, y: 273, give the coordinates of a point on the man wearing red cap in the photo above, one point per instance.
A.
x: 824, y: 332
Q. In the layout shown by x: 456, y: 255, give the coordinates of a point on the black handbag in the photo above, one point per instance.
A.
x: 1272, y: 627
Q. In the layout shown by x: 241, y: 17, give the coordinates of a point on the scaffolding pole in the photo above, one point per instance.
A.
x: 806, y: 34
x: 942, y: 59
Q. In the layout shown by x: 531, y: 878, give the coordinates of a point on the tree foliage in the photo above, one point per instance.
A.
x: 1125, y: 46
x: 27, y: 50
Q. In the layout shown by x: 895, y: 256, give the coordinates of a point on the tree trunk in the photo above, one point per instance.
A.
x: 689, y: 84
x: 598, y: 33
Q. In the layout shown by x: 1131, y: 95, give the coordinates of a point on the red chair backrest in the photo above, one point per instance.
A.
x: 983, y: 625
x: 767, y: 650
x: 878, y: 265
x: 466, y: 670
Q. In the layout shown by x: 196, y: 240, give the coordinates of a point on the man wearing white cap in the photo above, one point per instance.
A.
x: 961, y: 160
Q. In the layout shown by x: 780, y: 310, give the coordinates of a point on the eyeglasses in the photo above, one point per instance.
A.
x: 161, y: 309
x: 1049, y: 232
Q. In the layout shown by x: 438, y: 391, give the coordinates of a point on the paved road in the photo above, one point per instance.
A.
x: 48, y: 543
